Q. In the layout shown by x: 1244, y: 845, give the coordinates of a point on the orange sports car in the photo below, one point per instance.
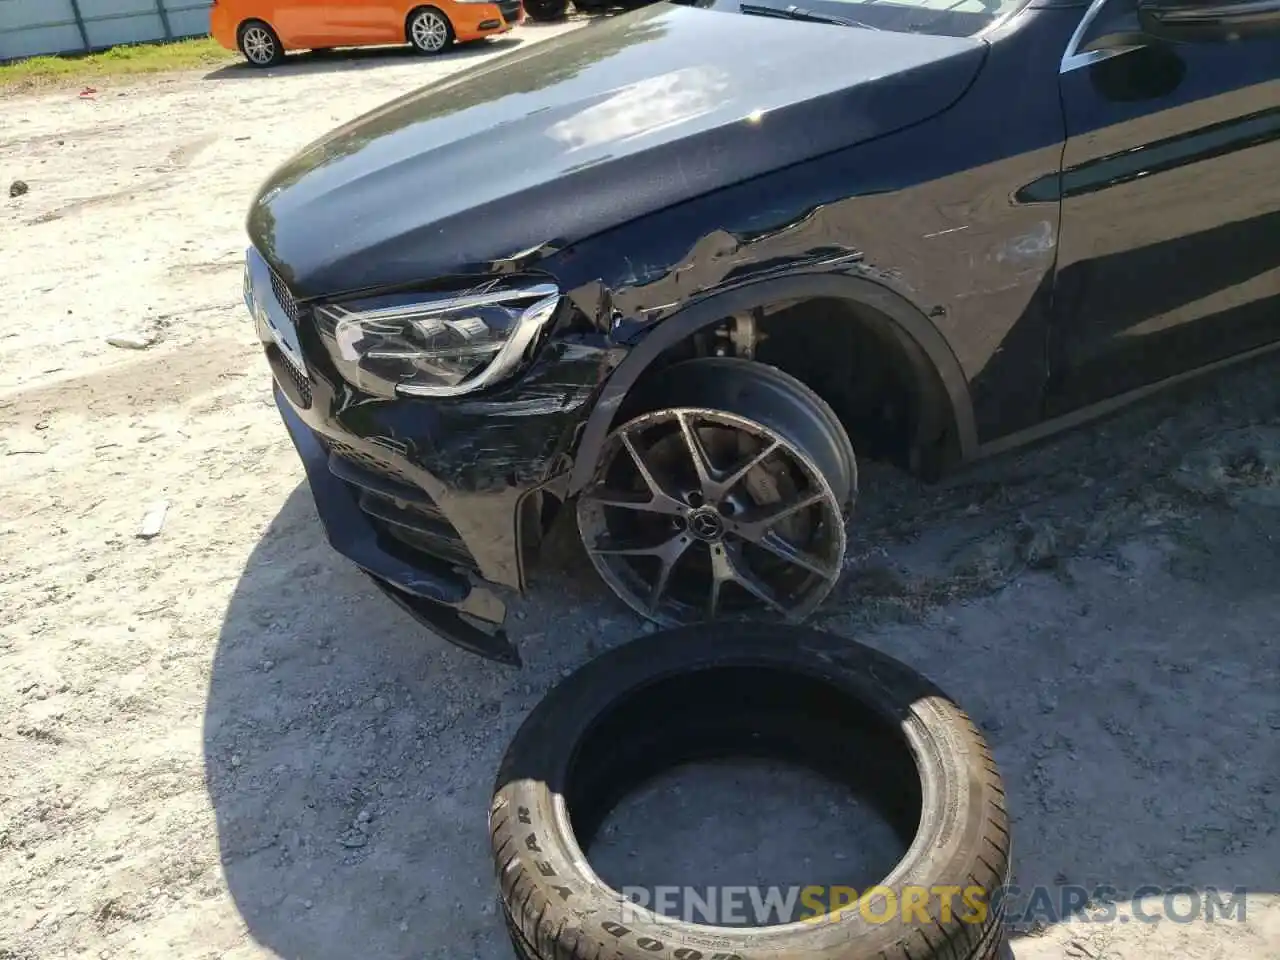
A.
x: 264, y: 30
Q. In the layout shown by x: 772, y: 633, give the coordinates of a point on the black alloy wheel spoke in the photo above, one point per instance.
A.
x: 672, y: 528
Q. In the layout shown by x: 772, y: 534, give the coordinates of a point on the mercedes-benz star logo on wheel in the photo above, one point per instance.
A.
x: 706, y: 524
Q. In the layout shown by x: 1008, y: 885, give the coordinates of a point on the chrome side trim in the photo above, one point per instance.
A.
x: 1089, y: 58
x: 1073, y: 59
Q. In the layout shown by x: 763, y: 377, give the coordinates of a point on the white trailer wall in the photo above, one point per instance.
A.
x: 32, y: 27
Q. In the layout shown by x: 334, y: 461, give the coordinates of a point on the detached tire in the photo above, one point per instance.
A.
x: 725, y: 690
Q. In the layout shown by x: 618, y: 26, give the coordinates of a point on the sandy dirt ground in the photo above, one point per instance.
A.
x: 221, y: 742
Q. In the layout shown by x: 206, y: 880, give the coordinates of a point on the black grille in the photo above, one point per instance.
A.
x: 368, y: 466
x: 396, y: 508
x: 425, y: 531
x: 285, y: 298
x: 510, y: 10
x: 292, y: 381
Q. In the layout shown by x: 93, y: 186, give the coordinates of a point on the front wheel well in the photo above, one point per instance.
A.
x: 881, y: 383
x: 408, y: 19
x: 249, y: 22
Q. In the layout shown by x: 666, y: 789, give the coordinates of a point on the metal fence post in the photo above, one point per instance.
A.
x: 84, y: 34
x: 164, y: 19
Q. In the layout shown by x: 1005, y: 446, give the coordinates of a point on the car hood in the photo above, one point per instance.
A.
x: 581, y: 133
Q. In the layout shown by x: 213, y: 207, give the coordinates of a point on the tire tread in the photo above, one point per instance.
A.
x: 541, y: 930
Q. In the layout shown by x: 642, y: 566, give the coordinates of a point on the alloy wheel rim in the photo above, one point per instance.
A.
x: 258, y: 45
x: 430, y: 32
x: 701, y: 514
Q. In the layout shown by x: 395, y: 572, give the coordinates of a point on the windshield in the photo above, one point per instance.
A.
x: 949, y: 18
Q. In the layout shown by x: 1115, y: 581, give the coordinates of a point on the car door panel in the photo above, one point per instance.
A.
x: 366, y: 21
x: 301, y: 23
x: 1169, y: 253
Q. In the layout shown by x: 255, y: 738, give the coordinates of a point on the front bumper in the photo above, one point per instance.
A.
x: 432, y: 591
x: 439, y: 501
x: 222, y: 27
x: 471, y: 21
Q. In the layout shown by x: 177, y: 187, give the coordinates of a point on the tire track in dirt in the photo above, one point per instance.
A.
x: 159, y: 378
x: 177, y: 160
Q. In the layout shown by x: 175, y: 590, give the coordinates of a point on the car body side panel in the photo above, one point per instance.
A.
x: 952, y: 231
x: 223, y: 23
x: 1171, y: 214
x: 374, y: 21
x: 300, y: 23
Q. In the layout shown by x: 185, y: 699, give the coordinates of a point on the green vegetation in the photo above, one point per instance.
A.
x: 141, y: 58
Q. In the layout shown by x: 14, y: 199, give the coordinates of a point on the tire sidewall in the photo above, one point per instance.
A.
x: 672, y: 386
x: 759, y: 394
x: 539, y: 859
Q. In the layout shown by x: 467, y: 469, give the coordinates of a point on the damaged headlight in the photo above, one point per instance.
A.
x: 437, y: 345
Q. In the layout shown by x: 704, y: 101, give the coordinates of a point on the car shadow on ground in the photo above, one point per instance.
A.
x: 349, y: 755
x: 361, y: 58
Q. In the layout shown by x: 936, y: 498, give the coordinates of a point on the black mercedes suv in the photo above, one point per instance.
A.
x: 681, y: 269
